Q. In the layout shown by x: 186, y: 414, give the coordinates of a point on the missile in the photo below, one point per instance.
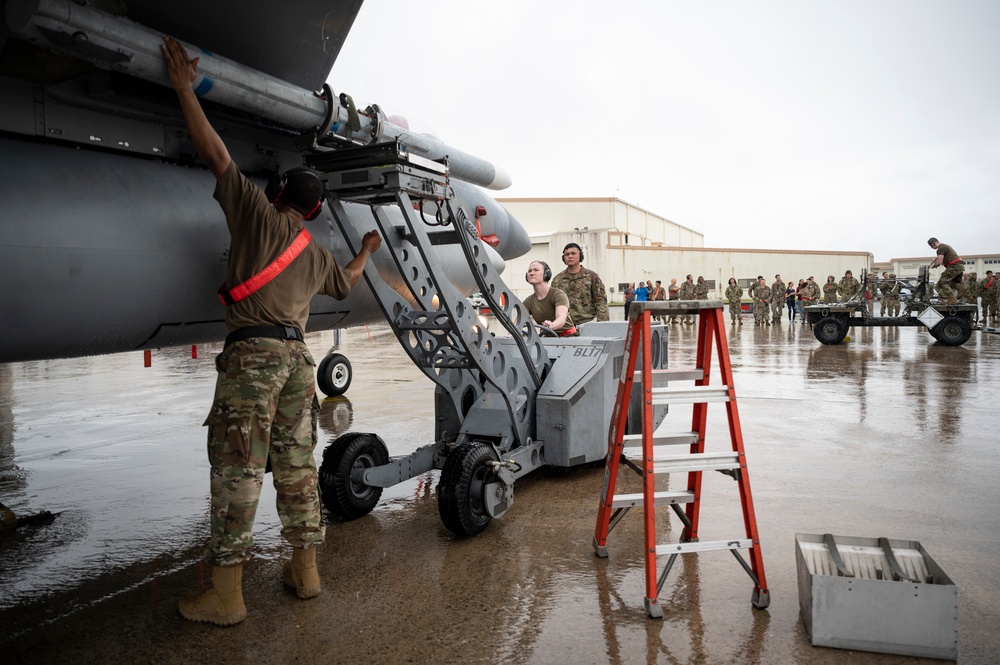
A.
x: 119, y: 44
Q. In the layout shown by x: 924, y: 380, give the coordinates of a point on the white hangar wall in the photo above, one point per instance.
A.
x: 624, y: 243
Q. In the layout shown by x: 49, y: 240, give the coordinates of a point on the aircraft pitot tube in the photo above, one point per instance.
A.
x: 119, y: 44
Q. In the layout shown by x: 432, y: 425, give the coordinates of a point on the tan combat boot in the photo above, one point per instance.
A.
x: 301, y: 574
x: 222, y: 604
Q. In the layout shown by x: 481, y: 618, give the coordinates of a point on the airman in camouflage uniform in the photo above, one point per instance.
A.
x: 890, y: 292
x: 883, y: 295
x: 971, y: 296
x: 588, y: 299
x: 688, y: 292
x: 701, y: 289
x: 777, y: 299
x: 734, y: 296
x: 830, y: 290
x: 990, y: 288
x: 954, y: 268
x: 762, y: 304
x: 265, y: 406
x: 848, y: 287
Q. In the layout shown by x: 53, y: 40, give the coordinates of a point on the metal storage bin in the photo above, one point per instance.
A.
x: 876, y: 594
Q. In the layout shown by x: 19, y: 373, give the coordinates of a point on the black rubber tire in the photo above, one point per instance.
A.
x: 830, y: 330
x: 346, y: 497
x: 460, y: 492
x: 952, y: 331
x: 334, y: 375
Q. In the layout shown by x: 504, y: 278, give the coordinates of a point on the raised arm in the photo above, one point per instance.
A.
x: 182, y: 73
x: 371, y: 241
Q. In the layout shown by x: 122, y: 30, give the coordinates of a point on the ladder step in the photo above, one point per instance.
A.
x: 706, y: 546
x: 659, y: 499
x: 690, y: 395
x: 665, y: 375
x: 696, y: 462
x: 674, y: 439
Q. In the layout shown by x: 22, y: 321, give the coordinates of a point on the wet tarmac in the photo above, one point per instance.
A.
x: 888, y: 435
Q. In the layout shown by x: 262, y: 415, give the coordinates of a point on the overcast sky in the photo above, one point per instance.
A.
x: 862, y: 125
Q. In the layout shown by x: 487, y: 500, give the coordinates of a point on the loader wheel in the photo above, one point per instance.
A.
x: 830, y: 330
x: 334, y: 375
x: 340, y: 475
x: 952, y: 331
x: 460, y: 493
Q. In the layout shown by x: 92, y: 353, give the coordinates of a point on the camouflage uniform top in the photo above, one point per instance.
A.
x: 814, y: 293
x: 848, y: 287
x: 830, y: 290
x: 259, y: 234
x: 778, y: 293
x: 688, y: 291
x: 587, y: 297
x: 972, y: 288
x: 763, y: 294
x: 701, y: 291
x: 734, y: 294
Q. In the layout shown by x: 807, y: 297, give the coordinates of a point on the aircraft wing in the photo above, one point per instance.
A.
x: 295, y: 40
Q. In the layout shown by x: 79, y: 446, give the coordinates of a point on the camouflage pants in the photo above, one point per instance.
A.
x: 951, y: 277
x: 734, y: 311
x: 761, y: 313
x: 777, y: 307
x: 265, y: 407
x: 892, y: 307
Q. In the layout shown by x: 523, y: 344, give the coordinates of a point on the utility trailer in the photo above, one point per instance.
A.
x: 505, y: 405
x: 949, y: 324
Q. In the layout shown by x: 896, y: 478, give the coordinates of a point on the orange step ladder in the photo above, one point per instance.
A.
x: 657, y: 458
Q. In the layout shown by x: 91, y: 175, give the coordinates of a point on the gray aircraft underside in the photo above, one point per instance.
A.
x: 109, y: 237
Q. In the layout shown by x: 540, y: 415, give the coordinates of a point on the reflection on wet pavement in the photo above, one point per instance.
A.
x: 889, y: 434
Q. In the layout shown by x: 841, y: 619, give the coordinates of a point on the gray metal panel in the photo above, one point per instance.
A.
x: 870, y: 614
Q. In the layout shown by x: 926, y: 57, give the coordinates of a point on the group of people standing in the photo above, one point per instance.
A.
x: 770, y: 301
x: 689, y: 289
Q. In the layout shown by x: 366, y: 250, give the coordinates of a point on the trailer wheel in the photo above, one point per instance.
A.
x: 830, y: 330
x: 952, y: 331
x: 464, y: 478
x: 334, y: 375
x: 340, y: 475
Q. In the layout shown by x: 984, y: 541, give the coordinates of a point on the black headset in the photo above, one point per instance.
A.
x: 546, y: 274
x: 275, y: 188
x: 573, y: 244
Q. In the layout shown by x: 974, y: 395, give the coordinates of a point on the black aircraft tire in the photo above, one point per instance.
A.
x: 334, y: 375
x: 343, y: 492
x: 952, y: 331
x: 463, y: 483
x: 830, y: 330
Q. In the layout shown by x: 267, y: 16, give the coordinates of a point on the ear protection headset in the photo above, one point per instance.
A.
x: 275, y: 188
x: 546, y: 272
x: 573, y: 244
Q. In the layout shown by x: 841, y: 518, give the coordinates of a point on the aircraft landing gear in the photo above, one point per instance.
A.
x: 334, y: 375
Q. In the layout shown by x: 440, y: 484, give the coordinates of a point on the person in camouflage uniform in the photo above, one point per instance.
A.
x: 688, y: 292
x: 734, y: 296
x: 588, y: 299
x: 830, y: 290
x: 673, y: 293
x: 990, y: 288
x: 954, y: 268
x: 265, y: 407
x: 777, y: 299
x: 971, y: 297
x: 883, y: 295
x: 848, y: 287
x: 890, y: 292
x: 701, y: 289
x: 762, y: 304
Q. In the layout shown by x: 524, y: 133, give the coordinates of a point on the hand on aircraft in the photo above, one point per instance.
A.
x: 371, y: 241
x: 180, y: 70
